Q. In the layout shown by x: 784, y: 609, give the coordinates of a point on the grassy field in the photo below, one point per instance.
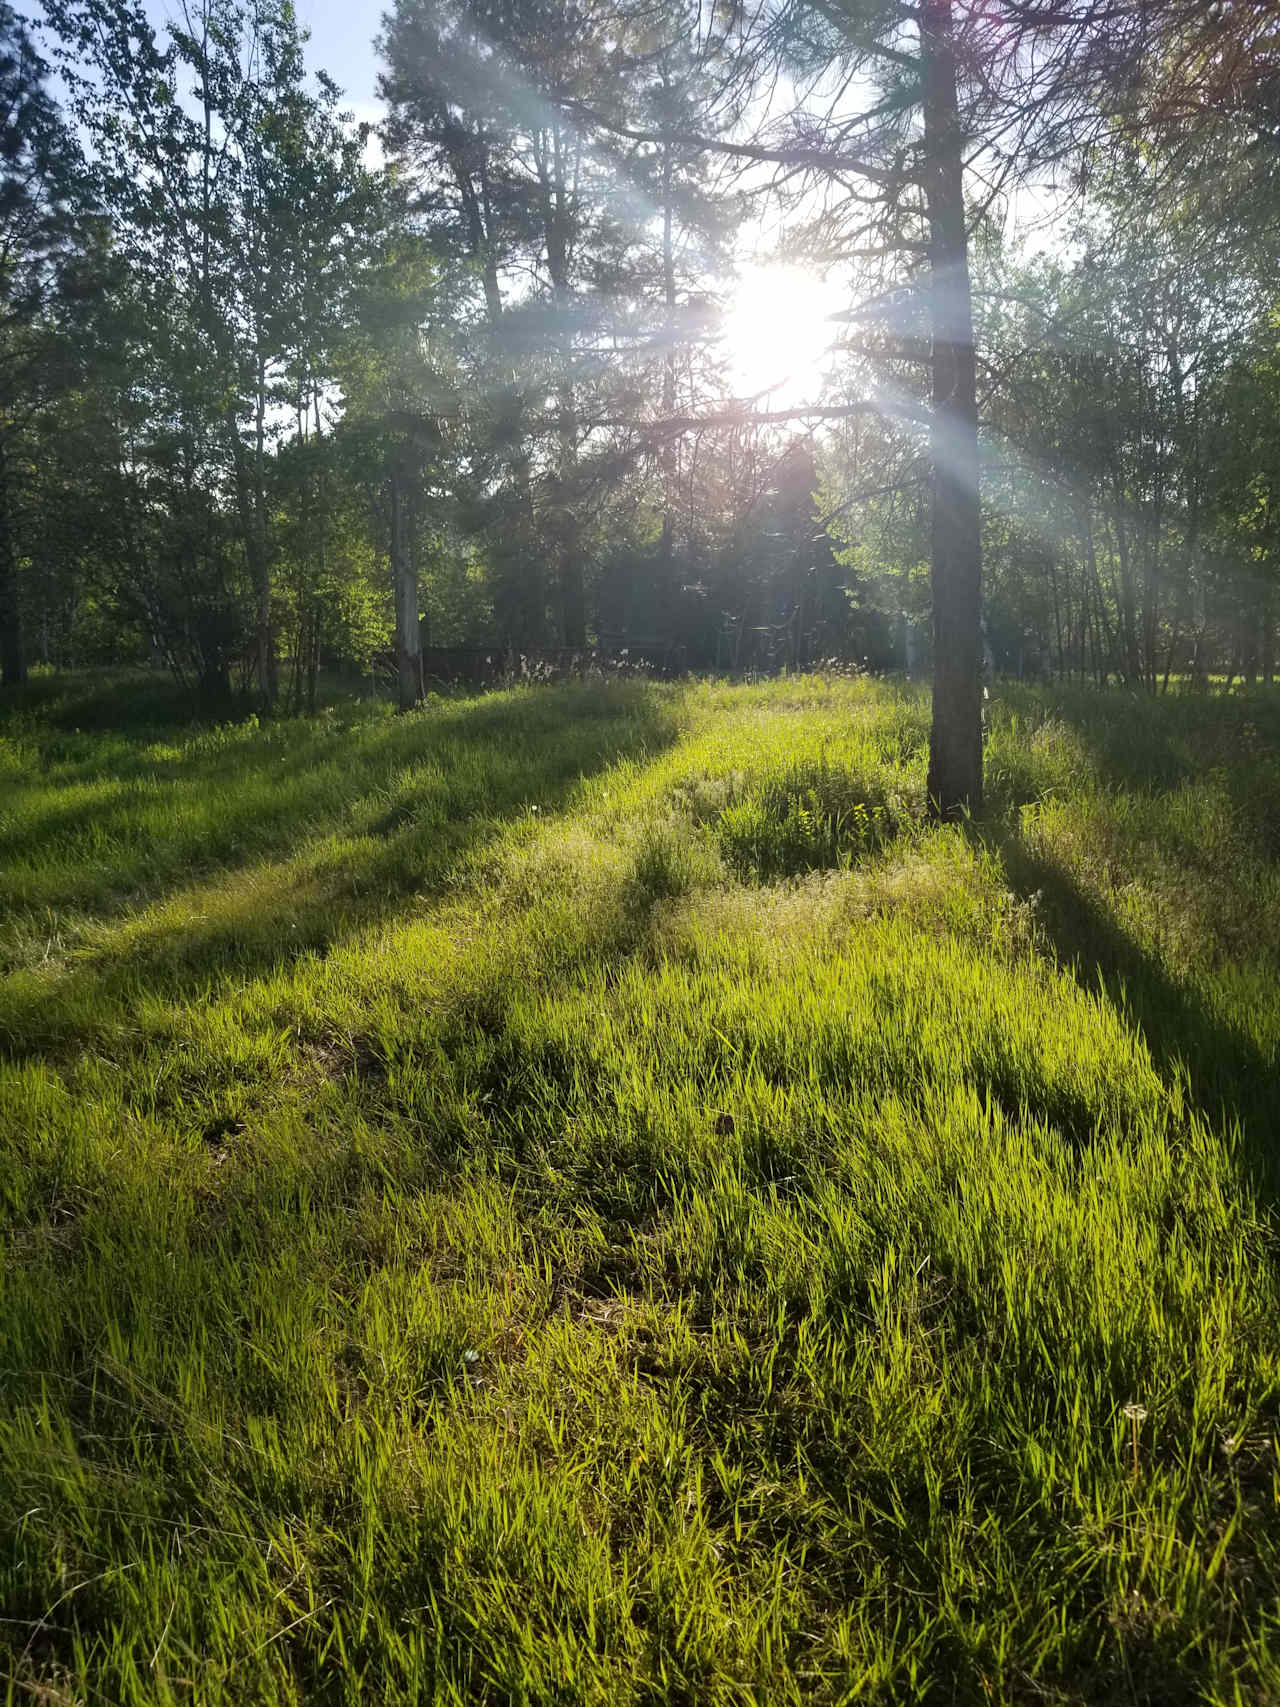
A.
x: 580, y: 1196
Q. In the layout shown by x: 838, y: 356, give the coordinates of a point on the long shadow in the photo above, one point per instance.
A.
x: 1228, y: 1077
x: 245, y: 918
x: 1140, y: 746
x: 311, y: 780
x: 72, y: 701
x: 1155, y: 746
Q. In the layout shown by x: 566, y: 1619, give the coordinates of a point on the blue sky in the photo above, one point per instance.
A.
x: 342, y: 33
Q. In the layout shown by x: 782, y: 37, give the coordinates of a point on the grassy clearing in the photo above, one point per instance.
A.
x: 578, y: 1196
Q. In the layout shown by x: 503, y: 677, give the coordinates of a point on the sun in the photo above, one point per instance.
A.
x: 777, y: 333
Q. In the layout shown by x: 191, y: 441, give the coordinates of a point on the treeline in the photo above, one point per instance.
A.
x: 1131, y: 450
x: 1131, y: 455
x: 267, y: 405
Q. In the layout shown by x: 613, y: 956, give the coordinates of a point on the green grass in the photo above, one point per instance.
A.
x: 581, y: 1196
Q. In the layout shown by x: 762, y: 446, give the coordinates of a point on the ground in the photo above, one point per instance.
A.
x: 580, y: 1195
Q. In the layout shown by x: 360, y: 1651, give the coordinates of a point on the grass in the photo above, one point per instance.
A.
x: 580, y: 1196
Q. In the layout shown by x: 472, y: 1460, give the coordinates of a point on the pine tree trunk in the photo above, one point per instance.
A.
x: 212, y: 664
x: 13, y: 653
x: 520, y: 595
x: 313, y: 664
x: 955, y: 741
x: 573, y: 596
x: 666, y: 552
x: 553, y: 167
x: 1105, y: 639
x: 1249, y: 637
x: 404, y: 578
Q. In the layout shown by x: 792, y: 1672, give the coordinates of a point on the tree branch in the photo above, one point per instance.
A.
x: 822, y: 159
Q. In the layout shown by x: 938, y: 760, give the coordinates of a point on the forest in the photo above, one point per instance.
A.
x: 271, y: 408
x: 639, y: 853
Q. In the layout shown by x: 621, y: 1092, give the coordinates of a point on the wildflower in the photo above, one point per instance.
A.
x: 1137, y: 1415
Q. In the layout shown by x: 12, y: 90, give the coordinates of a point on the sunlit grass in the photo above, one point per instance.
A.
x: 582, y: 1196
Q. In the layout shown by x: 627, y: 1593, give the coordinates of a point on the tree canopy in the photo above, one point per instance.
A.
x: 268, y: 407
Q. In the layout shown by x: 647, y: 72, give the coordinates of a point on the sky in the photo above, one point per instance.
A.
x: 342, y: 33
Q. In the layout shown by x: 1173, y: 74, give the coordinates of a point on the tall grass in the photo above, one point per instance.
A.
x: 582, y: 1196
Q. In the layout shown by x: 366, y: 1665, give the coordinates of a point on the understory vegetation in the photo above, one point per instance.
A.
x: 582, y: 1195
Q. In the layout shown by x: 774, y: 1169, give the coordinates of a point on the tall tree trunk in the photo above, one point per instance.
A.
x: 250, y: 505
x: 955, y: 739
x: 1174, y: 642
x: 1199, y: 673
x: 268, y: 660
x: 573, y: 596
x: 404, y: 579
x: 214, y: 668
x: 313, y: 663
x: 519, y: 605
x: 666, y: 551
x: 1151, y: 588
x: 13, y: 652
x: 1128, y: 593
x: 1105, y: 639
x: 520, y: 598
x: 265, y: 643
x: 553, y: 165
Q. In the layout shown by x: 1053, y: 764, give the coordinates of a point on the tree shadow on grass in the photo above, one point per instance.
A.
x: 1229, y: 1078
x: 245, y: 793
x: 356, y: 860
x: 1142, y: 751
x: 1156, y: 746
x: 74, y: 700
